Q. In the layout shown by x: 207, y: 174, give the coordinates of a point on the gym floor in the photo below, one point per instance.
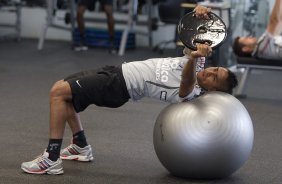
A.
x: 122, y: 138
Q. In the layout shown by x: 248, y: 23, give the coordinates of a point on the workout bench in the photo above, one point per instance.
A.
x: 12, y: 7
x: 249, y: 63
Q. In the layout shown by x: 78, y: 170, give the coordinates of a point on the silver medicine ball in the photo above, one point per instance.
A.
x: 207, y: 138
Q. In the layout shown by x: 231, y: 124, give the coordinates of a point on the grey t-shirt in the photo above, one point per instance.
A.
x: 158, y: 78
x: 269, y: 47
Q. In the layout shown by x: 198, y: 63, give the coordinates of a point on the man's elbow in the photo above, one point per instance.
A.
x: 185, y: 92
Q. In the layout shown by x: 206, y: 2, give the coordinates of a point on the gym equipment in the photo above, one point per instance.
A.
x: 256, y: 17
x: 35, y: 3
x: 132, y: 22
x: 100, y: 38
x: 13, y: 7
x: 248, y: 64
x: 51, y: 7
x: 169, y: 14
x: 193, y: 30
x: 69, y: 18
x: 209, y: 137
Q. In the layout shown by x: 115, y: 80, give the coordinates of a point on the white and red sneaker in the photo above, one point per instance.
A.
x: 43, y: 165
x: 74, y: 152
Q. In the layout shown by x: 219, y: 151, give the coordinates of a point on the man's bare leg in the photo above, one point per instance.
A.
x: 111, y: 24
x: 80, y: 19
x: 60, y: 100
x: 62, y: 111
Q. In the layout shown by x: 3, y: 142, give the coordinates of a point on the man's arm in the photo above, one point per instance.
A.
x: 188, y: 78
x: 275, y: 22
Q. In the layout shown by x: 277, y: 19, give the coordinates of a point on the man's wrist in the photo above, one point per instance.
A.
x: 192, y: 57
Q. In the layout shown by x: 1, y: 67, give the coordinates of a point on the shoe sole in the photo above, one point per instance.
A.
x: 51, y: 172
x: 77, y: 158
x: 78, y: 49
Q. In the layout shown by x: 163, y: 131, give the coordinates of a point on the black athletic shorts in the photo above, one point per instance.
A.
x: 103, y: 87
x: 90, y: 4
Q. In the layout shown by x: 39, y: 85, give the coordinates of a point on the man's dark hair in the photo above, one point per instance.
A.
x: 237, y: 48
x: 232, y: 82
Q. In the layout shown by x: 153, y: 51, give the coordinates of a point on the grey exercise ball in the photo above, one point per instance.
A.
x: 207, y: 138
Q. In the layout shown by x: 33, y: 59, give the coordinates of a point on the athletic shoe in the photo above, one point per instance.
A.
x: 80, y: 47
x: 43, y: 165
x: 74, y: 152
x: 112, y: 49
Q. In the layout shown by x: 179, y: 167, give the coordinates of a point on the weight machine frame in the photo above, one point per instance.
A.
x: 131, y: 22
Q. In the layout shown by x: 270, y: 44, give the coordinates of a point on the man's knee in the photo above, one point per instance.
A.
x: 80, y: 11
x: 108, y: 10
x: 61, y: 89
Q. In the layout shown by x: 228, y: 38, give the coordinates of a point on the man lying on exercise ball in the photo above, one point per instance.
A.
x: 168, y: 79
x: 269, y: 45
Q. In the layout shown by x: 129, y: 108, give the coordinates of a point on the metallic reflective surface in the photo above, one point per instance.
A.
x: 192, y: 30
x: 209, y: 137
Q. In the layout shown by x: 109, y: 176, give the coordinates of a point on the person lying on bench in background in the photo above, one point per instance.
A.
x: 269, y: 45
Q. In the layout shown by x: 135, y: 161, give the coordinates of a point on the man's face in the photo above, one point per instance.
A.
x: 213, y: 78
x: 248, y: 41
